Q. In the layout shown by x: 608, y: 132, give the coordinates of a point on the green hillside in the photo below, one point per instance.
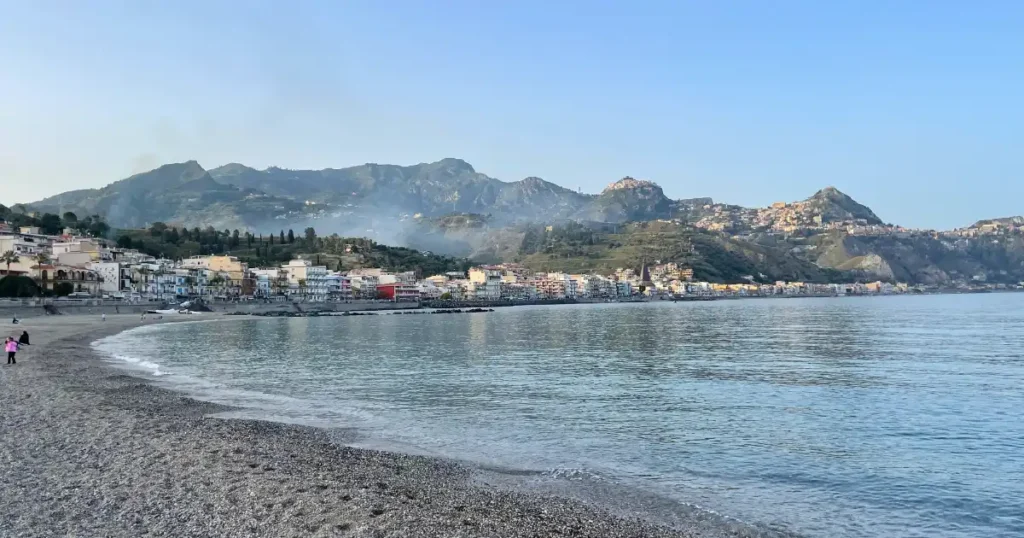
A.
x: 575, y: 247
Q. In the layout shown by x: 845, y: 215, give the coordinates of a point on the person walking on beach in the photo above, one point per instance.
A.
x: 12, y: 347
x: 23, y: 341
x: 104, y: 317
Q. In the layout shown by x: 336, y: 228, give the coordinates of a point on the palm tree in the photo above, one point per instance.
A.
x: 9, y: 257
x: 41, y: 259
x: 216, y: 282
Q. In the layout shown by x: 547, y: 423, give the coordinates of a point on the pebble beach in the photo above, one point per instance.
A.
x: 89, y: 450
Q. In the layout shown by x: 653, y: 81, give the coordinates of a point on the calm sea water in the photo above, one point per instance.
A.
x: 895, y: 417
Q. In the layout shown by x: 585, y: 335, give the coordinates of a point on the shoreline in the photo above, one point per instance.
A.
x: 95, y: 451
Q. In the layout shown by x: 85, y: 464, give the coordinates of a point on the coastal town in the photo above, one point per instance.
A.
x: 77, y: 266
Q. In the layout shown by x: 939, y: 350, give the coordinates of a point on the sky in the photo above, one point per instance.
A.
x: 913, y: 108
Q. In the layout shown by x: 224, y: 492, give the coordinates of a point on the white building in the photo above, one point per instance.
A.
x: 307, y: 279
x: 364, y: 286
x: 24, y: 245
x: 429, y: 290
x: 266, y: 281
x: 116, y: 276
x: 196, y: 262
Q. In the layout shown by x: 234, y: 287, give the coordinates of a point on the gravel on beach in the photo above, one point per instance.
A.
x: 86, y: 450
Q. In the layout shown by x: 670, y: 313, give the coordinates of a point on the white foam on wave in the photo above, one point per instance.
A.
x: 572, y: 474
x: 151, y: 367
x: 108, y: 348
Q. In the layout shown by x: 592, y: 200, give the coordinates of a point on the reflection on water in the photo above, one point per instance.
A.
x: 846, y: 417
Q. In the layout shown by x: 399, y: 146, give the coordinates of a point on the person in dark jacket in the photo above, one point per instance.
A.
x: 24, y: 338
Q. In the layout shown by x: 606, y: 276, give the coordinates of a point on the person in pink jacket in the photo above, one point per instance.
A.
x: 11, y: 347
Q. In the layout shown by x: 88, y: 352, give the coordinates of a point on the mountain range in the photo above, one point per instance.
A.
x: 447, y: 206
x: 235, y: 195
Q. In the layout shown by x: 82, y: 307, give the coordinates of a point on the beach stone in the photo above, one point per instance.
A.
x: 107, y: 454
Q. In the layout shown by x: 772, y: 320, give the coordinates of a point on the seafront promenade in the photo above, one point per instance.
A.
x: 89, y: 450
x: 30, y: 308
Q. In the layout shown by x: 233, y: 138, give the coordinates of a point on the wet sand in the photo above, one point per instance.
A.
x: 87, y: 450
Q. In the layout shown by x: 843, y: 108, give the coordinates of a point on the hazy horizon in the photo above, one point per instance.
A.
x: 911, y: 111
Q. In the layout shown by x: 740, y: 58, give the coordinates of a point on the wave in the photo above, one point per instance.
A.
x: 151, y: 367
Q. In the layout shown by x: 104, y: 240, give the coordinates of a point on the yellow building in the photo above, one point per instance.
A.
x: 481, y: 275
x: 229, y: 266
x: 437, y: 280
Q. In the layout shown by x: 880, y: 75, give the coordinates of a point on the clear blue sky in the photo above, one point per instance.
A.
x: 913, y: 108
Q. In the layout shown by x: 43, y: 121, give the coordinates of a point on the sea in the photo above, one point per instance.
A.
x: 834, y: 417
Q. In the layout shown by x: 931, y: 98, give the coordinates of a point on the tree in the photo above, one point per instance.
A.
x: 18, y: 286
x: 41, y: 259
x: 174, y: 236
x: 216, y: 282
x: 339, y: 269
x: 8, y: 258
x: 157, y: 229
x: 96, y: 227
x: 50, y: 224
x: 271, y: 241
x: 446, y: 296
x: 282, y: 237
x: 291, y: 236
x: 70, y: 219
x: 63, y: 289
x: 310, y: 235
